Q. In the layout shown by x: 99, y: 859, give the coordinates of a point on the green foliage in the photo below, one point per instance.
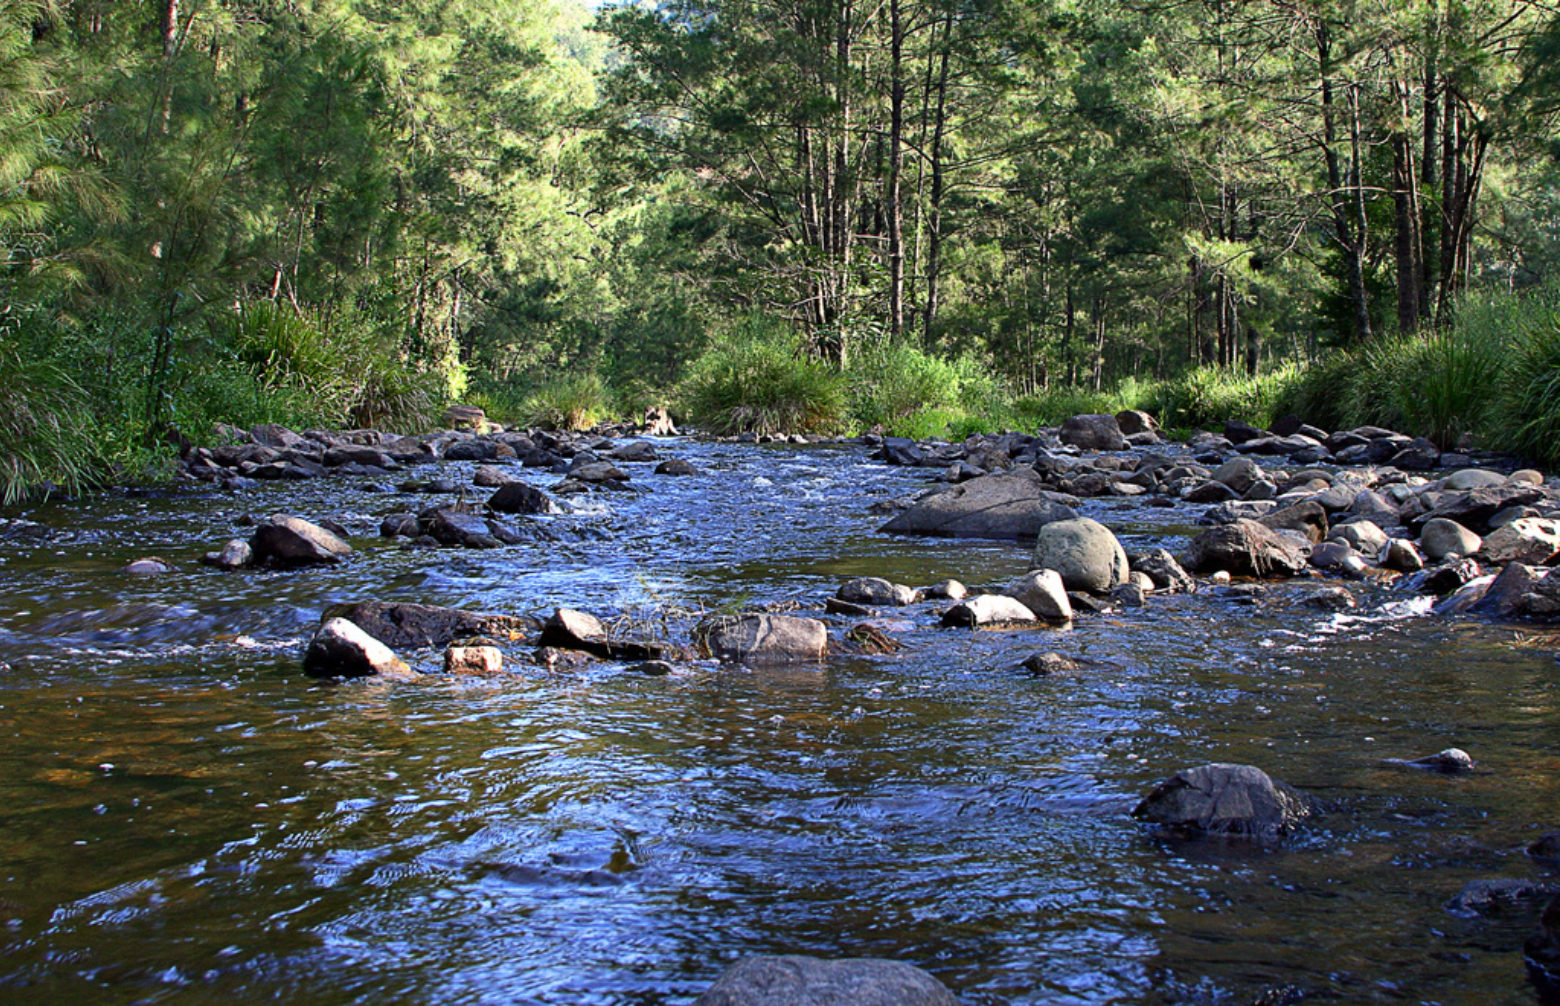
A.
x: 1529, y: 403
x: 46, y: 429
x: 901, y: 388
x: 758, y: 379
x: 1208, y: 396
x: 575, y: 402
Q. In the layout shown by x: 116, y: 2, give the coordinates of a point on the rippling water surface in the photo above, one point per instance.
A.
x: 188, y: 819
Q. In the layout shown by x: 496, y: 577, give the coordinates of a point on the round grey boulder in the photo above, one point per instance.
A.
x: 1441, y: 537
x: 875, y: 590
x: 1084, y: 552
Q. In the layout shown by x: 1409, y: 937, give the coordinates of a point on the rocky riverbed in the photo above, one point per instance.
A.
x: 638, y: 706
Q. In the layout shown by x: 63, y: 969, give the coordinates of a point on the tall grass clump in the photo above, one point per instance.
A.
x: 46, y: 430
x: 759, y: 379
x: 911, y: 393
x: 1526, y: 416
x: 573, y: 402
x: 1208, y: 396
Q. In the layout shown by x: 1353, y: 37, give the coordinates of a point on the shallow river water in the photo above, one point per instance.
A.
x: 186, y: 818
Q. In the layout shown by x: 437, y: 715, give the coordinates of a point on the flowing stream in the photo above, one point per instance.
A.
x: 189, y: 819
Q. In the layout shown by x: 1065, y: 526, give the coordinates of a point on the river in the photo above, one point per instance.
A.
x: 187, y: 818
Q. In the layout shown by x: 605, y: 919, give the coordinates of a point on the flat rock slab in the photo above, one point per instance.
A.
x: 811, y: 981
x: 1011, y: 505
x: 568, y: 629
x: 408, y: 626
x: 762, y: 639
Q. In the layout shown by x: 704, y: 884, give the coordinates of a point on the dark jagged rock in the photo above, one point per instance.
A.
x: 1483, y: 897
x: 1308, y: 518
x: 1162, y: 568
x: 1094, y: 433
x: 518, y: 497
x: 811, y: 981
x: 282, y: 540
x: 676, y: 466
x: 409, y: 626
x: 1224, y: 799
x: 1245, y: 547
x: 1474, y: 508
x: 1541, y: 952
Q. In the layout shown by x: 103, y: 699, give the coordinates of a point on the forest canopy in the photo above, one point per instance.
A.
x: 922, y: 211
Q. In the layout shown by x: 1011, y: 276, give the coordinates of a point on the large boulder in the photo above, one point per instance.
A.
x: 1094, y: 433
x: 762, y: 639
x: 812, y: 981
x: 1246, y: 548
x: 1224, y: 799
x: 1043, y: 593
x: 282, y: 540
x: 1015, y: 504
x: 343, y: 650
x: 1084, y: 552
x: 1134, y: 421
x: 408, y: 626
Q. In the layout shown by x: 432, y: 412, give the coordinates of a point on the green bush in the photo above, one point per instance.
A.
x: 46, y: 430
x: 759, y: 380
x: 1527, y: 420
x: 575, y: 402
x: 1208, y: 396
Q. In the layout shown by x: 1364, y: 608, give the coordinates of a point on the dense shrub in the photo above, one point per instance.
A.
x: 1527, y: 414
x: 575, y: 402
x: 759, y: 380
x: 46, y: 429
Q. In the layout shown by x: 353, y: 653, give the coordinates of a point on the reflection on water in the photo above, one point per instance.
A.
x: 188, y: 819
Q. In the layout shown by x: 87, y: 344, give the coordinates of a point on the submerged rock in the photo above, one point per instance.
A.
x: 762, y: 638
x: 1541, y: 952
x: 149, y: 566
x: 1225, y: 799
x: 236, y: 554
x: 341, y: 649
x: 518, y: 497
x: 1014, y: 504
x: 1481, y: 897
x: 1043, y: 665
x: 1450, y: 762
x: 812, y: 981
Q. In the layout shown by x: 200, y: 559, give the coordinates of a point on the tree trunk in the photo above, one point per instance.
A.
x: 896, y: 125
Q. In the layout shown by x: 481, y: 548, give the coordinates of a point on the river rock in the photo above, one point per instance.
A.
x: 1239, y: 474
x: 569, y: 629
x: 491, y: 477
x: 409, y: 626
x: 810, y: 981
x: 635, y: 451
x: 1225, y: 799
x: 1533, y: 540
x: 1093, y: 433
x: 1420, y: 455
x: 988, y: 609
x: 1163, y: 571
x: 458, y: 527
x: 676, y: 466
x: 762, y: 638
x: 518, y: 497
x: 282, y: 540
x: 1464, y: 598
x: 1013, y: 504
x: 1507, y: 595
x: 149, y: 566
x: 1403, y: 555
x: 465, y: 417
x: 1247, y: 548
x: 1541, y: 952
x: 1451, y: 761
x: 1545, y: 846
x: 1474, y: 508
x: 341, y: 649
x: 875, y: 590
x: 1473, y: 478
x: 1210, y: 492
x: 478, y: 660
x: 597, y: 473
x: 1043, y: 593
x: 1307, y: 518
x: 1440, y: 537
x: 475, y: 449
x: 236, y: 554
x: 1129, y: 595
x: 834, y: 606
x: 950, y: 590
x: 1135, y: 421
x: 1483, y: 897
x: 1084, y: 552
x: 1044, y: 665
x: 1364, y: 536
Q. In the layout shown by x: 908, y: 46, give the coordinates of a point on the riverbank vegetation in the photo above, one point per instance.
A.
x: 816, y: 215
